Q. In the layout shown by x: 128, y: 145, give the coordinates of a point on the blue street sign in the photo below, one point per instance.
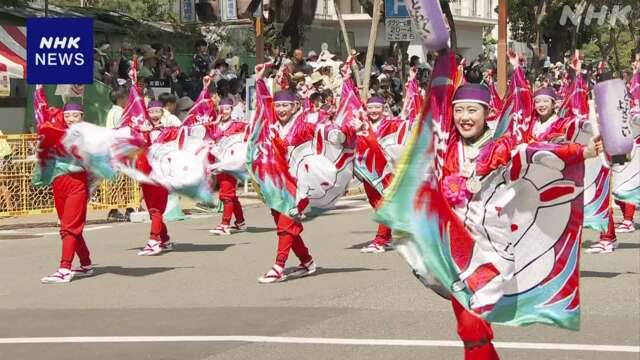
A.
x: 395, y: 8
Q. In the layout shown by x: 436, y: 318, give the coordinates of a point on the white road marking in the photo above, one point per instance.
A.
x: 100, y: 227
x: 316, y: 341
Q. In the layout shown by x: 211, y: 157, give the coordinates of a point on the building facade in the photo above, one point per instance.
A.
x: 471, y: 18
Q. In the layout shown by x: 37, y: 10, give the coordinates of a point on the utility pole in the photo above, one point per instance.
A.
x: 364, y: 93
x: 502, y: 47
x: 345, y: 36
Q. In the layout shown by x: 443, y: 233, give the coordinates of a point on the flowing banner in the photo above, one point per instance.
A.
x: 266, y: 157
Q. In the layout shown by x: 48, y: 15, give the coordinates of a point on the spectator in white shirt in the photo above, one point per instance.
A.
x: 169, y: 103
x: 119, y: 98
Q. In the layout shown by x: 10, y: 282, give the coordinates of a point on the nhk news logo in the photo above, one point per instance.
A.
x: 60, y: 50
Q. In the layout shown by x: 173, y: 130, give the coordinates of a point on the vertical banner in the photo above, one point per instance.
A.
x: 5, y: 88
x: 229, y: 10
x: 187, y: 11
x: 250, y: 94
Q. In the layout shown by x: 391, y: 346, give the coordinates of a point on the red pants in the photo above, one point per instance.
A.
x: 628, y: 210
x: 289, y: 238
x: 70, y: 195
x: 156, y: 199
x: 475, y: 333
x: 232, y: 207
x: 383, y: 236
x: 627, y: 213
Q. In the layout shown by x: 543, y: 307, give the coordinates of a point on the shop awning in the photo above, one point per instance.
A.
x: 13, y: 52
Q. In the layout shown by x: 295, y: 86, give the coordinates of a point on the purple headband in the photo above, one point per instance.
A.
x: 226, y: 102
x: 477, y: 93
x: 71, y: 107
x: 285, y: 96
x: 546, y: 91
x: 376, y: 100
x: 155, y: 104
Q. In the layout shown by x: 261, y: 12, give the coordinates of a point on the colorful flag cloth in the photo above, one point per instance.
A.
x: 310, y: 167
x: 508, y: 250
x: 370, y: 164
x: 180, y: 165
x: 203, y: 111
x: 412, y: 101
x: 135, y: 113
x: 267, y: 158
x: 229, y: 148
x: 496, y: 100
x: 392, y: 135
x: 516, y: 117
x: 82, y: 146
x: 575, y: 123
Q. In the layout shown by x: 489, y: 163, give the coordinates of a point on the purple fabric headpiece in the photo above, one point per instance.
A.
x: 285, y: 96
x: 477, y: 93
x: 546, y: 91
x: 226, y: 102
x: 155, y: 104
x: 375, y: 100
x: 71, y: 107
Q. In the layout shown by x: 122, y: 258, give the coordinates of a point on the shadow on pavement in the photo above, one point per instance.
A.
x: 259, y: 230
x: 129, y: 271
x: 603, y: 274
x: 189, y: 247
x: 621, y: 245
x: 323, y: 270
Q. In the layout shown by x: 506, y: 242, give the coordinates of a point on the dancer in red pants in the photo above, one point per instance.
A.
x: 382, y: 241
x: 70, y: 195
x: 154, y: 196
x: 226, y: 127
x: 289, y: 229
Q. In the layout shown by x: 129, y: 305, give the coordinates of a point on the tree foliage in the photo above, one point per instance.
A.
x: 150, y: 10
x: 537, y: 22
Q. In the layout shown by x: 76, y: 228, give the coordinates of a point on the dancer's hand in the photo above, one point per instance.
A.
x: 513, y: 58
x: 260, y: 70
x: 594, y: 148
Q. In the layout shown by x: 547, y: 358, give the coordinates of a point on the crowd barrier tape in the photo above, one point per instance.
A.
x: 18, y: 197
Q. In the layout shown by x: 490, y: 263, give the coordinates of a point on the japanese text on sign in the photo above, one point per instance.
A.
x: 400, y: 29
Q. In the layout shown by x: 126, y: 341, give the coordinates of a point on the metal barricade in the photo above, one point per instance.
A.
x: 18, y: 197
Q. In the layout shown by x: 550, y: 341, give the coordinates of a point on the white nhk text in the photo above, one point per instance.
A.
x: 57, y: 58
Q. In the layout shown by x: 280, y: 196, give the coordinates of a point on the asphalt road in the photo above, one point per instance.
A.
x: 202, y: 301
